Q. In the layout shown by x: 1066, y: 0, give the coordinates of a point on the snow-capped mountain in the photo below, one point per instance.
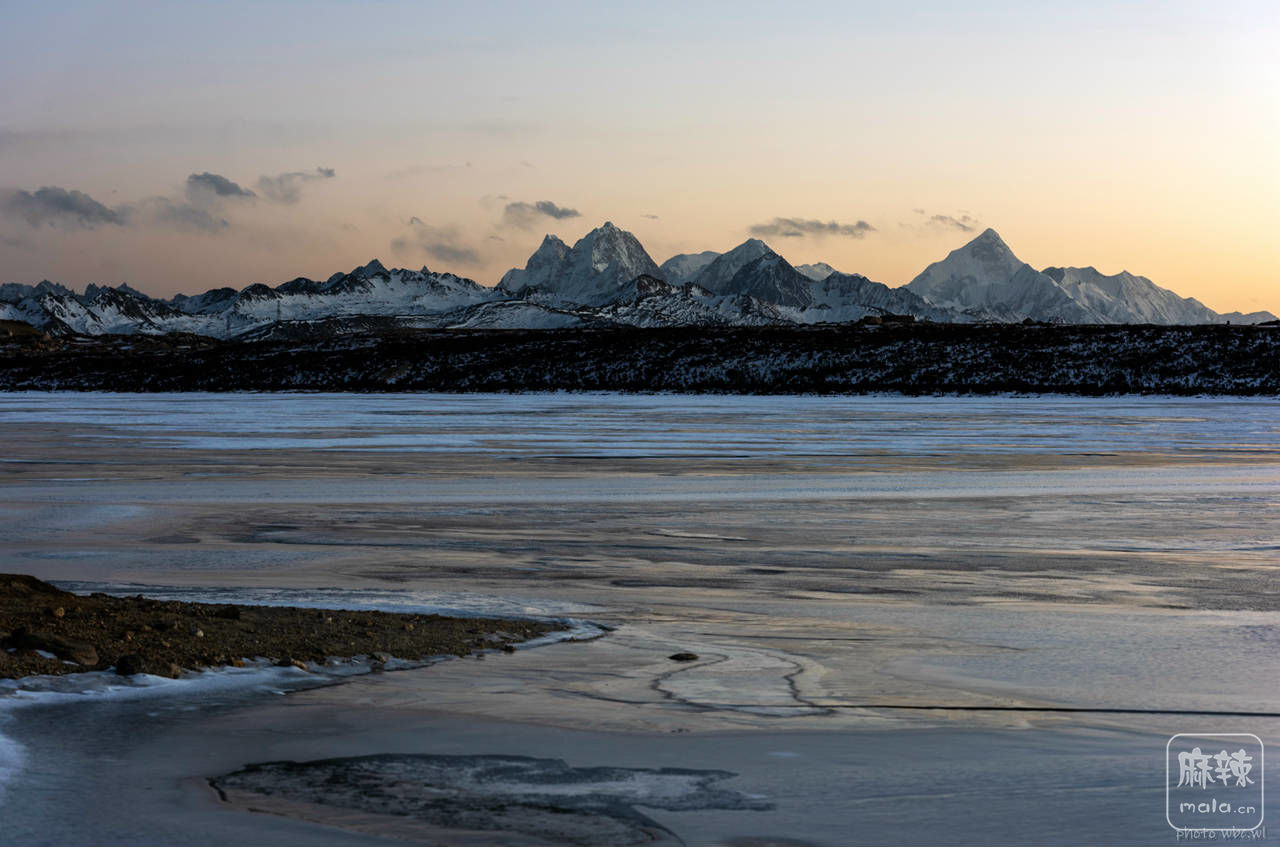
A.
x: 607, y: 279
x: 102, y: 311
x: 540, y: 272
x: 212, y: 302
x: 16, y: 292
x: 368, y: 290
x: 984, y: 275
x: 1128, y: 299
x: 685, y: 267
x: 985, y: 278
x: 817, y: 271
x: 715, y: 277
x: 588, y: 274
x: 656, y: 302
x: 769, y: 278
x: 839, y: 298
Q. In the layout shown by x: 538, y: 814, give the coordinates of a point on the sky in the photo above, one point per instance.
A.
x: 183, y: 146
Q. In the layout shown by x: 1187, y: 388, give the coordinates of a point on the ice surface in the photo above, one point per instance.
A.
x: 826, y: 558
x: 755, y: 428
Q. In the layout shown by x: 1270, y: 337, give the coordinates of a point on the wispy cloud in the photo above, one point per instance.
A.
x: 62, y: 208
x: 964, y: 223
x: 961, y: 223
x: 203, y: 206
x: 802, y: 227
x: 440, y: 242
x: 287, y: 187
x: 526, y: 215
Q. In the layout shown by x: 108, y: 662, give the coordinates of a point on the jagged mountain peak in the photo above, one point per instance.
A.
x: 749, y: 250
x: 606, y: 230
x: 716, y: 277
x: 94, y: 292
x: 550, y: 252
x: 16, y: 292
x: 374, y: 267
x: 609, y: 243
x: 985, y: 275
x: 591, y: 273
x: 607, y: 276
x: 770, y: 278
x: 989, y: 247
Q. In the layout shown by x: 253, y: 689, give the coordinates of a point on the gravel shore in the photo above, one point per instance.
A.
x: 45, y: 630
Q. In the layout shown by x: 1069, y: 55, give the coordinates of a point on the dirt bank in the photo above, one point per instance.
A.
x: 44, y: 630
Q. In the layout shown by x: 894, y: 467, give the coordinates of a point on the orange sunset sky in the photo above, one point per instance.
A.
x: 1134, y: 136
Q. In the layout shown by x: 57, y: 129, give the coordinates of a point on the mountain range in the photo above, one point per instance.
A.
x: 608, y: 279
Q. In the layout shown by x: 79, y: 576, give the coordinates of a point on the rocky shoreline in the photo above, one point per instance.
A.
x: 45, y: 630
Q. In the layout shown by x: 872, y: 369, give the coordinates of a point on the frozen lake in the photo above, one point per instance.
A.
x: 1063, y: 581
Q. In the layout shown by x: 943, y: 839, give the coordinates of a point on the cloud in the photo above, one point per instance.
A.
x: 200, y: 209
x: 287, y: 187
x: 526, y: 215
x: 651, y: 217
x: 443, y: 243
x: 964, y: 223
x: 219, y: 185
x: 801, y: 227
x: 66, y: 209
x: 59, y: 207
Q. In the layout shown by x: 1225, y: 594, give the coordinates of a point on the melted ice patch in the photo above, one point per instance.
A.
x: 548, y: 799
